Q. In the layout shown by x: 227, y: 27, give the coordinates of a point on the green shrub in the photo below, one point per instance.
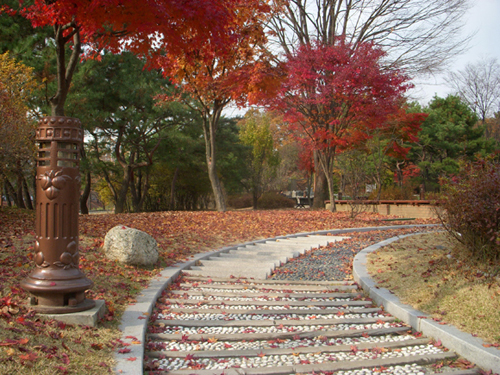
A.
x: 275, y: 200
x: 470, y: 209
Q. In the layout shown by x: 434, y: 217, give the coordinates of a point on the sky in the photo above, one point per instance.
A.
x: 483, y: 19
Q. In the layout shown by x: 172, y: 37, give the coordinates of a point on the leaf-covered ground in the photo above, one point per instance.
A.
x: 31, y: 345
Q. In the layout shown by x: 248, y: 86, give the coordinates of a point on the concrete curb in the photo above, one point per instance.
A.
x: 464, y: 344
x: 135, y: 318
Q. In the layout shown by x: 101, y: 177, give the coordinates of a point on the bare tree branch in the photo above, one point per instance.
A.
x: 479, y: 86
x: 420, y: 36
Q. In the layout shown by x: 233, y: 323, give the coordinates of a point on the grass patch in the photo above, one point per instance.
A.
x: 432, y: 273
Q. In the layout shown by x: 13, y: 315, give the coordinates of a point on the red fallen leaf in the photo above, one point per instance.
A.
x: 189, y: 357
x: 227, y: 346
x: 96, y: 346
x: 354, y: 349
x: 65, y: 359
x: 28, y: 357
x: 438, y: 343
x: 52, y: 283
x: 131, y: 359
x: 24, y: 341
x: 364, y: 334
x: 132, y: 338
x: 142, y: 317
x: 9, y: 342
x: 261, y: 355
x: 124, y: 350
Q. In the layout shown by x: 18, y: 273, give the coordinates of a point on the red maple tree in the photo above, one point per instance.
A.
x: 335, y: 96
x: 144, y: 27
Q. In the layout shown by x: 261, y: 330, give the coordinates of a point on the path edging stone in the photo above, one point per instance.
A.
x: 466, y: 345
x: 135, y: 318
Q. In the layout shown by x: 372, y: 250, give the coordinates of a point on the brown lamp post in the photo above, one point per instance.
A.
x: 57, y: 285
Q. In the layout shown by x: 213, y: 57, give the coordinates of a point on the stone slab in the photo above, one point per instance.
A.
x: 269, y: 282
x: 86, y: 318
x: 324, y: 367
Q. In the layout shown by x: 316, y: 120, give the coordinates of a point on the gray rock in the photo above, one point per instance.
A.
x: 130, y: 246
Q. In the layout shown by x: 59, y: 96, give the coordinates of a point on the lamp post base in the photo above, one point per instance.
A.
x: 87, y: 304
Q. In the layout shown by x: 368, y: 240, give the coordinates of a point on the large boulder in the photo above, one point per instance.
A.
x: 130, y: 246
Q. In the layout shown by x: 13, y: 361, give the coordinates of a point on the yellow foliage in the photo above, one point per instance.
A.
x: 17, y: 84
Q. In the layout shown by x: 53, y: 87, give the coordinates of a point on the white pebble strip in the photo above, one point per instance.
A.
x: 274, y: 344
x: 258, y: 307
x: 290, y: 360
x: 273, y: 298
x: 274, y: 329
x: 412, y: 369
x: 228, y: 316
x: 263, y: 290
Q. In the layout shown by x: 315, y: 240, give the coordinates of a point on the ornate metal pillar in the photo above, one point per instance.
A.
x: 57, y: 285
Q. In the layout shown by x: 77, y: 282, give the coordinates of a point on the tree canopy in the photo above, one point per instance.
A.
x: 334, y: 95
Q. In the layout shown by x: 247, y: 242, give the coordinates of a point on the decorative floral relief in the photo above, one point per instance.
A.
x: 53, y: 182
x: 40, y: 260
x: 67, y: 260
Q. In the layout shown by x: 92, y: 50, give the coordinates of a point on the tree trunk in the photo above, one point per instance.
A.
x: 7, y: 193
x: 255, y: 198
x: 326, y: 162
x: 210, y: 128
x: 19, y: 189
x: 172, y: 189
x: 84, y: 198
x: 220, y: 203
x: 319, y: 184
x: 27, y: 196
x: 121, y: 197
x: 10, y: 192
x: 139, y: 191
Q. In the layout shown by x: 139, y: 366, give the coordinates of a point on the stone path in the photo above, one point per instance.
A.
x: 224, y: 317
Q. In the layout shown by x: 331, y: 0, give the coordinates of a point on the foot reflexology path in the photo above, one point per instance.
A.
x: 307, y: 317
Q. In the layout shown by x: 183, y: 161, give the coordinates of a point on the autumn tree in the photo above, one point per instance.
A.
x: 334, y: 95
x: 17, y: 84
x: 255, y: 132
x: 479, y: 86
x: 144, y: 28
x: 211, y: 77
x: 389, y: 143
